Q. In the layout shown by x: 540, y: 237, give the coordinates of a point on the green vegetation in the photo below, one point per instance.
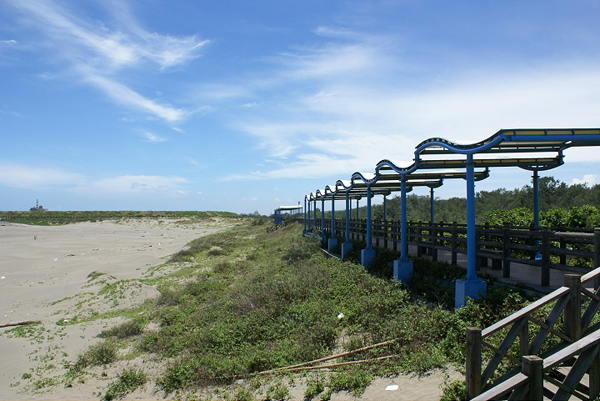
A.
x: 46, y: 218
x: 127, y: 382
x: 553, y: 193
x: 248, y: 300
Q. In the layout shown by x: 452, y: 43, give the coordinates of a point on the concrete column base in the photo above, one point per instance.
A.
x: 331, y: 243
x: 366, y: 256
x: 474, y: 289
x: 346, y: 247
x: 403, y: 270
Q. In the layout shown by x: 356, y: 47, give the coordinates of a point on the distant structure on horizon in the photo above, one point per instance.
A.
x: 37, y: 207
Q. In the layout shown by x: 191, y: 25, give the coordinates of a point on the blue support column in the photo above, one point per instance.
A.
x: 308, y: 216
x: 315, y: 215
x: 323, y: 236
x: 332, y: 242
x: 367, y: 254
x: 403, y: 267
x: 432, y: 200
x: 472, y: 286
x: 347, y: 245
x: 304, y: 214
x: 536, y: 210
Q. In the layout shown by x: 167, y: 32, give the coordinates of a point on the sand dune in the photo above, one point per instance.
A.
x: 44, y: 275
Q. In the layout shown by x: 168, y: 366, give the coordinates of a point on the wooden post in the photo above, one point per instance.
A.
x: 505, y: 251
x: 532, y: 241
x: 532, y: 367
x: 473, y: 368
x: 563, y: 257
x: 434, y: 241
x: 419, y: 239
x: 594, y: 378
x: 524, y: 339
x: 453, y: 260
x: 545, y: 256
x: 596, y: 254
x: 572, y: 316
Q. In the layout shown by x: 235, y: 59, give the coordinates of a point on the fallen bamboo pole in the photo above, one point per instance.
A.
x: 19, y: 323
x: 327, y: 358
x: 332, y: 365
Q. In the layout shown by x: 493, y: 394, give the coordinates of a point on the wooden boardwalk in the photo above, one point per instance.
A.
x: 519, y: 273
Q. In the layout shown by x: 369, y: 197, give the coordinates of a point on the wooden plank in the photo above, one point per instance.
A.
x: 502, y: 388
x: 549, y: 329
x: 502, y: 349
x: 572, y: 349
x: 537, y: 342
x: 590, y: 276
x: 525, y: 311
x: 577, y: 371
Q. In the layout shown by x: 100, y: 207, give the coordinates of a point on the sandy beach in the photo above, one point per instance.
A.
x: 46, y: 275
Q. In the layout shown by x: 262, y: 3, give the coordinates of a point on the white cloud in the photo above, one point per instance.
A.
x: 344, y: 123
x: 128, y: 185
x: 150, y: 137
x: 97, y: 52
x: 124, y: 95
x: 588, y: 179
x: 36, y: 178
x: 9, y: 42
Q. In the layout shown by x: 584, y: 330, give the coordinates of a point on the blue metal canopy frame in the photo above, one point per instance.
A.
x: 530, y: 149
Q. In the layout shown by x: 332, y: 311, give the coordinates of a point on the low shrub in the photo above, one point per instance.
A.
x: 127, y: 382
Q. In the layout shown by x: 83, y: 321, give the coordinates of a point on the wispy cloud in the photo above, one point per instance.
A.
x: 97, y: 52
x: 9, y: 42
x: 347, y: 106
x: 150, y: 137
x: 128, y: 185
x: 128, y: 97
x: 36, y: 178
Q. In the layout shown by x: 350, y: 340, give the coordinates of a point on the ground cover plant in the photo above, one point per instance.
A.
x: 249, y: 300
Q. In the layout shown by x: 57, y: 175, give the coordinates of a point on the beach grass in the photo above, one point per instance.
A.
x: 246, y: 300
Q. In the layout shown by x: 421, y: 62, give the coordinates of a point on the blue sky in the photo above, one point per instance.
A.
x: 248, y: 105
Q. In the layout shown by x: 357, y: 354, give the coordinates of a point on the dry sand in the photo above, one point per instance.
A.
x: 44, y: 276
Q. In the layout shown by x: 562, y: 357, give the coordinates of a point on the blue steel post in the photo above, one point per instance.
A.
x: 471, y: 240
x: 347, y: 245
x: 432, y: 200
x: 308, y: 215
x: 536, y: 210
x: 304, y: 214
x: 323, y: 235
x: 332, y: 241
x: 315, y: 214
x: 403, y: 268
x: 367, y: 254
x: 471, y: 287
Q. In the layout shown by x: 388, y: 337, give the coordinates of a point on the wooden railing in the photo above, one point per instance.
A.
x: 536, y: 342
x: 557, y: 248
